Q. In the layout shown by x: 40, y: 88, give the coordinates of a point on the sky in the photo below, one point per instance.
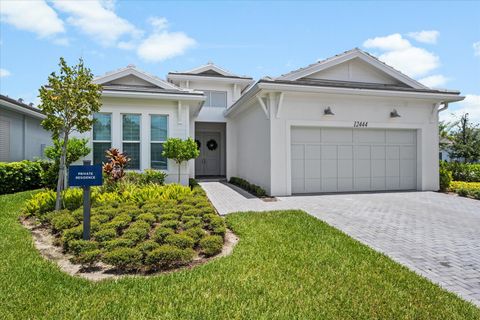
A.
x: 437, y: 43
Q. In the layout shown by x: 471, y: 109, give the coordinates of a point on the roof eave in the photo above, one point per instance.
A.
x: 175, y: 76
x: 154, y: 95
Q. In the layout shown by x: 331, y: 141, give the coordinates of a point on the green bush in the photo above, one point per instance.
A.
x: 147, y: 217
x: 192, y: 183
x: 161, y: 233
x: 40, y: 203
x: 105, y: 235
x: 445, y: 178
x: 463, y: 192
x: 20, y: 176
x: 136, y: 234
x: 168, y: 216
x: 71, y: 234
x: 72, y: 198
x: 196, y: 234
x: 147, y: 247
x: 172, y: 224
x: 180, y: 240
x: 167, y: 256
x: 468, y: 172
x: 247, y: 186
x: 117, y: 243
x: 63, y: 220
x: 78, y: 247
x: 211, y: 245
x: 119, y: 222
x: 88, y: 258
x: 123, y: 258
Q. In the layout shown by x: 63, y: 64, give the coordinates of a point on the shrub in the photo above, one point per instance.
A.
x: 463, y: 192
x: 168, y: 216
x: 119, y: 222
x: 88, y: 258
x: 140, y: 224
x: 445, y: 178
x: 161, y: 233
x: 105, y: 234
x: 117, y: 243
x: 136, y: 234
x: 20, y: 176
x: 40, y: 203
x: 123, y: 258
x: 181, y: 241
x: 78, y: 247
x: 146, y: 177
x: 468, y: 172
x: 167, y: 256
x: 466, y: 189
x: 63, y: 220
x: 211, y: 245
x: 196, y: 234
x: 71, y: 234
x: 72, y: 198
x: 192, y: 183
x: 147, y: 246
x: 247, y: 186
x: 172, y: 224
x: 100, y: 218
x: 147, y: 217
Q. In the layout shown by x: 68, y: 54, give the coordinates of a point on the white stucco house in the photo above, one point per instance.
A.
x: 347, y: 123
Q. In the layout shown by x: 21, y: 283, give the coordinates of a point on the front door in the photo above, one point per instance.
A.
x: 208, y: 163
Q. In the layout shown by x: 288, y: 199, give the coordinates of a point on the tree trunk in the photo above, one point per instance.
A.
x: 61, y: 173
x: 179, y: 167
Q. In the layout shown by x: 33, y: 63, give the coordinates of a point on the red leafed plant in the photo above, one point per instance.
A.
x: 115, y: 167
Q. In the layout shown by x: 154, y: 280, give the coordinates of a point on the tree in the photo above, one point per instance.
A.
x: 69, y: 101
x: 444, y: 134
x: 465, y: 141
x: 76, y: 149
x: 180, y: 151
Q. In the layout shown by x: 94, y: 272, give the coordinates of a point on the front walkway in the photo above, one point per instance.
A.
x: 433, y: 234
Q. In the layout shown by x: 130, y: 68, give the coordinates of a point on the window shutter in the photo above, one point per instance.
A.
x: 4, y: 140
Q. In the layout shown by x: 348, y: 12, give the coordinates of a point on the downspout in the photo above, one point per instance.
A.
x: 445, y: 107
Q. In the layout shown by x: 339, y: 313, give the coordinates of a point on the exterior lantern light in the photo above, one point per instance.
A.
x: 394, y: 114
x: 328, y: 112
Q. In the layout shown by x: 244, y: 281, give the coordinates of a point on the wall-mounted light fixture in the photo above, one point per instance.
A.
x: 328, y: 112
x: 394, y: 114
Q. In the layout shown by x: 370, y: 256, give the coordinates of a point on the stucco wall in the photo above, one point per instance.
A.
x: 27, y: 136
x: 252, y: 132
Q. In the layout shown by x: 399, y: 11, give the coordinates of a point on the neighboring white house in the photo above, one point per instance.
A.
x: 21, y: 135
x: 348, y: 123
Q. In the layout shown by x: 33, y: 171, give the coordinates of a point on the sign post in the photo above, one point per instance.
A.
x: 85, y: 176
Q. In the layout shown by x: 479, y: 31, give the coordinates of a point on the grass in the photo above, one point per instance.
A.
x: 288, y: 265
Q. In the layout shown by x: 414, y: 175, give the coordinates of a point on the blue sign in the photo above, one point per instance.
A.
x: 84, y: 176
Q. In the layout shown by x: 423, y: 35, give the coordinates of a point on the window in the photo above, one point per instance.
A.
x: 131, y: 139
x: 158, y: 135
x: 102, y: 136
x: 216, y: 99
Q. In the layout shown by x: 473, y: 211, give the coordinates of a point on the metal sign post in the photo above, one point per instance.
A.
x: 86, y: 207
x: 85, y: 176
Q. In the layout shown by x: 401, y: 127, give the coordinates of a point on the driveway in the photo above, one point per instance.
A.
x: 436, y: 235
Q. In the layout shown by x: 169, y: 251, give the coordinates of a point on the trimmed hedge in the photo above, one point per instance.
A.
x: 247, y: 186
x: 466, y: 189
x: 22, y: 176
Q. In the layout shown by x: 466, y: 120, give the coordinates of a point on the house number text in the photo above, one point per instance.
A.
x: 360, y: 124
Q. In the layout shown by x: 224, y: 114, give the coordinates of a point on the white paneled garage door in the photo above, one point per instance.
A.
x: 342, y: 160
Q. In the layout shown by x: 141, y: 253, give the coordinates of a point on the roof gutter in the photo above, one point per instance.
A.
x: 23, y: 110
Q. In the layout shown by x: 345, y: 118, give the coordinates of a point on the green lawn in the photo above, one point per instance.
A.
x: 288, y: 265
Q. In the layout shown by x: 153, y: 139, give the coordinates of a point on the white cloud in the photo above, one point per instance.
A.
x: 158, y: 23
x: 400, y: 54
x: 425, y: 36
x: 434, y: 81
x: 4, y: 73
x: 34, y: 16
x: 164, y: 45
x: 476, y: 48
x: 97, y: 19
x: 388, y: 43
x: 470, y: 105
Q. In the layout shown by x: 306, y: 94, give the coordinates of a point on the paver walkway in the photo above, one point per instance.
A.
x: 436, y: 235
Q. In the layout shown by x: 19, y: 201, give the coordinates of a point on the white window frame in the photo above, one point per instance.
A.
x: 156, y: 141
x: 133, y: 141
x: 208, y: 92
x: 102, y: 141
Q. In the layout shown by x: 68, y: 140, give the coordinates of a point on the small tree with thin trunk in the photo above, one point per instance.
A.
x: 69, y: 101
x: 180, y: 151
x: 465, y: 145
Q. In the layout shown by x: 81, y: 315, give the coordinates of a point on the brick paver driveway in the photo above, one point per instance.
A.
x: 433, y: 234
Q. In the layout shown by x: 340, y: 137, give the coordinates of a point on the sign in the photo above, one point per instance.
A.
x: 85, y: 176
x: 360, y: 124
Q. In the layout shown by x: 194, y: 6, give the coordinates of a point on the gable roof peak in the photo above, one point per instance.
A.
x: 347, y: 56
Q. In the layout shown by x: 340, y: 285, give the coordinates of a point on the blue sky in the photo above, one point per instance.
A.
x: 437, y: 43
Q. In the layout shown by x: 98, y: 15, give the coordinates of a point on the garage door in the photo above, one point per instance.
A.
x: 342, y: 160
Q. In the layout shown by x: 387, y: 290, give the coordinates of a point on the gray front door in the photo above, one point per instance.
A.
x: 208, y: 163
